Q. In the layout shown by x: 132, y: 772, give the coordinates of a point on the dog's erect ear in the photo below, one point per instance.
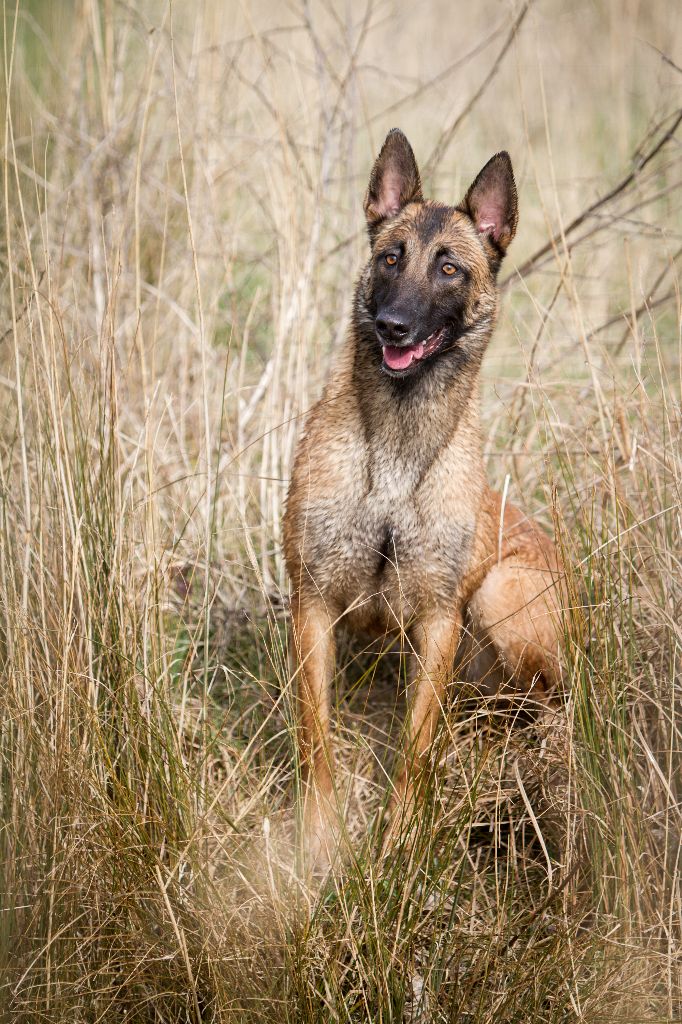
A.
x: 394, y: 180
x: 491, y: 201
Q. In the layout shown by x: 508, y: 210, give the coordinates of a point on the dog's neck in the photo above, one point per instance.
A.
x: 413, y: 420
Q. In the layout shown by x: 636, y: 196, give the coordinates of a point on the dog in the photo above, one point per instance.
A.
x: 390, y: 524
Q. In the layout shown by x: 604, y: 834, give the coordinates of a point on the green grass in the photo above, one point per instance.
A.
x: 181, y: 224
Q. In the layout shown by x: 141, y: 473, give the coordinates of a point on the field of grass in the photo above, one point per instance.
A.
x: 181, y: 225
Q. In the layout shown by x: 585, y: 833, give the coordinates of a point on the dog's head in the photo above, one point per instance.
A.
x: 428, y: 296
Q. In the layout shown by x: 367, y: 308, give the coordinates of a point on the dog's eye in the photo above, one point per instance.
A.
x: 391, y: 259
x: 449, y: 268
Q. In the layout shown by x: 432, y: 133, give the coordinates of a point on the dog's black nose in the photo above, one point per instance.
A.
x: 391, y: 328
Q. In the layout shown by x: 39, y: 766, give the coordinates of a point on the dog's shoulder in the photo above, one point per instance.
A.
x: 330, y: 456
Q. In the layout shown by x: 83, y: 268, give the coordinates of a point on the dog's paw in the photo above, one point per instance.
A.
x: 320, y: 839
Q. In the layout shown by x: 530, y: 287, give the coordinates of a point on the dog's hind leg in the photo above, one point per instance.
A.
x: 518, y: 606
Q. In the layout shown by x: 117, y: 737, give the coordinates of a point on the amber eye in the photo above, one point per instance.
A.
x: 391, y: 259
x: 449, y: 269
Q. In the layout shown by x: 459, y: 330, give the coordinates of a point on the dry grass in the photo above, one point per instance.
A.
x: 182, y: 220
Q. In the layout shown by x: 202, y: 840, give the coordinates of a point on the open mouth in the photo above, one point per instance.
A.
x: 401, y: 358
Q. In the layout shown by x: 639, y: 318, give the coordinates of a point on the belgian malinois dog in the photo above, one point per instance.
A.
x: 390, y: 525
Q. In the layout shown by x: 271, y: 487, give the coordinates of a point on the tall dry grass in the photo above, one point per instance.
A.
x: 181, y: 225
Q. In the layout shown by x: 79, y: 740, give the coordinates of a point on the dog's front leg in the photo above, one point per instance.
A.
x: 435, y: 640
x: 314, y: 641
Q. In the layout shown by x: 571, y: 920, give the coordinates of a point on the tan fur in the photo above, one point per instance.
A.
x: 391, y: 524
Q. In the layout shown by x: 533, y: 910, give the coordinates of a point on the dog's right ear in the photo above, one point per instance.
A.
x: 394, y: 181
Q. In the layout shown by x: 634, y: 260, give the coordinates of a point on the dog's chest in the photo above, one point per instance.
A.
x: 385, y: 543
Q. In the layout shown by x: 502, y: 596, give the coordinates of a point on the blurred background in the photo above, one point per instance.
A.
x: 182, y: 226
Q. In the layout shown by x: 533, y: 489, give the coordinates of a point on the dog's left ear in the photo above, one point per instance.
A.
x: 394, y: 181
x: 492, y: 203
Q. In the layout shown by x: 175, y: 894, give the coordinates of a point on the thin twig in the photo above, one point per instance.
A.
x: 449, y: 133
x: 531, y: 263
x: 440, y: 77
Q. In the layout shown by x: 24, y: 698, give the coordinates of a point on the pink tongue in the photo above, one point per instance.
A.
x: 400, y: 358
